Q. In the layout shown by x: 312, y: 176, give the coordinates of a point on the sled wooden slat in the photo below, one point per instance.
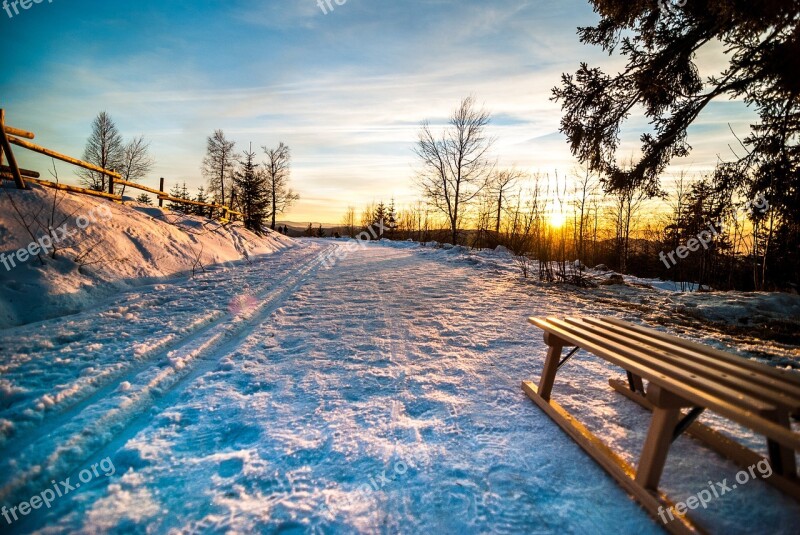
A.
x: 680, y: 375
x: 724, y: 373
x: 790, y: 377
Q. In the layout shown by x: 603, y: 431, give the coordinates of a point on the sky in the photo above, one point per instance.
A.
x: 347, y: 90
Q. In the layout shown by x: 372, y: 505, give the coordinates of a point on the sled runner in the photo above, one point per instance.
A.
x: 680, y: 375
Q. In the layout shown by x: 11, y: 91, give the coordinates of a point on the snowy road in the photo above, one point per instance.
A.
x: 379, y: 394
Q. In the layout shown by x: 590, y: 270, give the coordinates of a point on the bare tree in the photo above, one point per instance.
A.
x: 349, y: 222
x: 136, y: 161
x: 482, y: 219
x: 368, y: 215
x: 105, y: 149
x: 624, y: 210
x: 278, y: 170
x: 219, y: 165
x: 455, y: 166
x: 585, y: 190
x: 500, y: 183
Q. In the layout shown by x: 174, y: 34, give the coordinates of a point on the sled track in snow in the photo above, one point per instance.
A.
x: 65, y: 411
x: 94, y: 425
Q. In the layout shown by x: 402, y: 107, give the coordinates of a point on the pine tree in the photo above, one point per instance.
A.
x: 380, y: 213
x: 380, y: 217
x: 252, y: 195
x: 665, y: 80
x: 145, y: 199
x: 180, y: 192
x: 201, y: 197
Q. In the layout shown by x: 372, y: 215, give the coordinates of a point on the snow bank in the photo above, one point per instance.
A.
x: 101, y: 248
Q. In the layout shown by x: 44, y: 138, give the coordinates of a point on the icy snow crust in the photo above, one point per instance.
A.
x: 377, y: 393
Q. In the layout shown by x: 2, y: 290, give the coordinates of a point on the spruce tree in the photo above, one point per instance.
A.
x: 201, y: 197
x: 144, y: 198
x: 251, y: 188
x: 179, y: 192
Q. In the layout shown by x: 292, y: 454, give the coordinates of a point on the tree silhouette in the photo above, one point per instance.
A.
x: 253, y: 194
x: 455, y: 166
x: 278, y: 169
x: 761, y: 41
x: 105, y: 149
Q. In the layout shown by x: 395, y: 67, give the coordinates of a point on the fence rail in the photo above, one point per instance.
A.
x: 10, y: 135
x: 63, y: 157
x: 71, y: 189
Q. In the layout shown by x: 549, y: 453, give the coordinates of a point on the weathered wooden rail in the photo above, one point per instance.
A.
x: 15, y: 136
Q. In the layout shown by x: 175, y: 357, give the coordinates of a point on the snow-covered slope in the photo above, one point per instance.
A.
x: 110, y: 247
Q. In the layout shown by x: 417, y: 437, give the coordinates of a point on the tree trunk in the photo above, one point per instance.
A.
x: 499, y: 207
x: 274, y: 207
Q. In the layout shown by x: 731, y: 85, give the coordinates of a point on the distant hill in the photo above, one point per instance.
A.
x: 298, y: 229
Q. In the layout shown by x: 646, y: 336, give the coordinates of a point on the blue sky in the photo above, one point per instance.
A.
x: 345, y: 90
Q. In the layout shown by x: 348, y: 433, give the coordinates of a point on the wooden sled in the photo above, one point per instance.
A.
x: 681, y: 375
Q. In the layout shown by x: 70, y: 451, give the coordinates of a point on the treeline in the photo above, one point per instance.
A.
x: 702, y: 230
x: 237, y: 180
x: 556, y: 227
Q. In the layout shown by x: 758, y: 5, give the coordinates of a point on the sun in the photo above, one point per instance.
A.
x: 557, y: 218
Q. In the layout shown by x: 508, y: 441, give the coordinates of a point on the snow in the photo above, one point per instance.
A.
x: 765, y: 324
x: 122, y: 246
x: 338, y: 388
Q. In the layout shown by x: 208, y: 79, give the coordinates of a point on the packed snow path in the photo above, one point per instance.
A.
x: 377, y: 393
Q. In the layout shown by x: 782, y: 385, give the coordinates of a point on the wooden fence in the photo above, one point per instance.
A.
x: 14, y: 136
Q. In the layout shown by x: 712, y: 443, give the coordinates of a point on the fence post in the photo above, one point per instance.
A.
x: 111, y: 182
x: 161, y: 189
x: 6, y: 148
